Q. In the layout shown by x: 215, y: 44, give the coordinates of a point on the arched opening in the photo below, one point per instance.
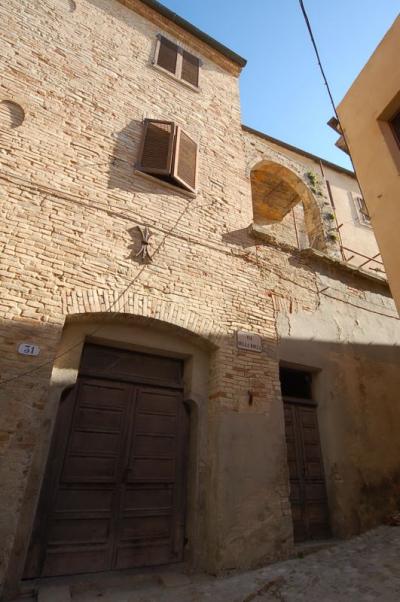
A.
x: 12, y: 115
x: 285, y: 206
x: 129, y: 401
x: 68, y: 5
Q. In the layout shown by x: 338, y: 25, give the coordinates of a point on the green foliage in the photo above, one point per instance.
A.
x: 314, y: 182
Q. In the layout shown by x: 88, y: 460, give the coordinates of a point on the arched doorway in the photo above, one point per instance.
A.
x: 113, y: 495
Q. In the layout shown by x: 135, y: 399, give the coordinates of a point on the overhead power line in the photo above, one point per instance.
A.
x: 324, y: 77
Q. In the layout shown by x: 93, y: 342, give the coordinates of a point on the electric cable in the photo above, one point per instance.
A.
x: 166, y: 235
x: 113, y: 304
x: 324, y: 77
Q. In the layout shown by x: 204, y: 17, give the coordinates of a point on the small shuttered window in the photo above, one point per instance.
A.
x: 157, y: 146
x: 190, y: 68
x: 362, y: 210
x: 169, y: 153
x: 177, y: 61
x: 185, y: 164
x: 167, y: 56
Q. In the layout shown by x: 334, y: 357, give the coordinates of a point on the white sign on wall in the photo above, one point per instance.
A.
x: 28, y: 349
x: 249, y: 341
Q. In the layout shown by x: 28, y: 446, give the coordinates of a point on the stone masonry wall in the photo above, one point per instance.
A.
x: 71, y: 203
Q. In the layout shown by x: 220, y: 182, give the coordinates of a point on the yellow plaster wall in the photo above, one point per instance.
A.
x: 373, y: 98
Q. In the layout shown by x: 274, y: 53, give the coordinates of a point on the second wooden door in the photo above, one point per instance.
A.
x: 307, y: 483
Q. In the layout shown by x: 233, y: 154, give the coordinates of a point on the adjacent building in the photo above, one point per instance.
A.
x: 370, y: 117
x: 199, y: 350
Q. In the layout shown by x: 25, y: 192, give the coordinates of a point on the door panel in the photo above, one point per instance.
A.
x: 307, y: 483
x: 78, y: 519
x: 152, y: 505
x: 113, y: 495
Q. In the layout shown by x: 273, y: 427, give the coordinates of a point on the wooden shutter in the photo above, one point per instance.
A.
x: 166, y: 55
x: 157, y: 147
x: 190, y: 68
x: 363, y: 210
x: 185, y: 160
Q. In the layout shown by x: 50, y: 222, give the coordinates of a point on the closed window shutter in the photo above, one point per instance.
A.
x: 190, y: 68
x: 185, y: 160
x: 157, y: 147
x: 167, y: 55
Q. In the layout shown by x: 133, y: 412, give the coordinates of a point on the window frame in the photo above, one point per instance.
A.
x: 396, y: 134
x: 171, y: 148
x: 177, y: 76
x: 363, y: 218
x: 384, y: 121
x: 172, y: 159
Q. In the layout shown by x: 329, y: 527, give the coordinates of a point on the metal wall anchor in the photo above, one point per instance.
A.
x: 144, y: 248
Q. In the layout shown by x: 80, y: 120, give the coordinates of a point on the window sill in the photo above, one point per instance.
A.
x: 176, y: 189
x: 175, y: 78
x: 359, y: 222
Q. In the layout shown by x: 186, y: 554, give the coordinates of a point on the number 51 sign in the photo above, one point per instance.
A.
x: 28, y: 349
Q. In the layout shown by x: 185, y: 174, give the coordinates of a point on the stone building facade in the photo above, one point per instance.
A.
x: 247, y: 299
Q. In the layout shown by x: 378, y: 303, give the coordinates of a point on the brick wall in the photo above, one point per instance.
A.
x: 71, y: 203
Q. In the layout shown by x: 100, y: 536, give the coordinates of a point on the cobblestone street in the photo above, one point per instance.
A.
x: 366, y: 568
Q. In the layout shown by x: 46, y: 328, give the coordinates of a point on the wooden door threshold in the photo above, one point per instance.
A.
x: 304, y: 548
x: 60, y: 587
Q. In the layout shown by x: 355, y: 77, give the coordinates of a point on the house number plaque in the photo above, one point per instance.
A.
x: 28, y: 349
x: 249, y: 341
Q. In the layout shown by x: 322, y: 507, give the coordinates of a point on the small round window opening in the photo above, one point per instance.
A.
x: 12, y: 115
x: 69, y: 5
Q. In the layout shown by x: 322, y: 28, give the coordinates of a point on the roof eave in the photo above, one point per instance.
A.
x: 171, y: 16
x: 295, y: 149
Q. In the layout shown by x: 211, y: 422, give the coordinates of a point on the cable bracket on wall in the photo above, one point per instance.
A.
x: 143, y: 252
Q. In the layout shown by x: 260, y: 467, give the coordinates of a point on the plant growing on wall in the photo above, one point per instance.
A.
x: 314, y: 182
x: 332, y: 236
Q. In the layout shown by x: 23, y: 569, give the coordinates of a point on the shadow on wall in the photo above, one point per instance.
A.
x: 123, y: 173
x: 125, y: 156
x: 356, y: 388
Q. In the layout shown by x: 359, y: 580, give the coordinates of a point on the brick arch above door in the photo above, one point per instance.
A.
x: 107, y: 303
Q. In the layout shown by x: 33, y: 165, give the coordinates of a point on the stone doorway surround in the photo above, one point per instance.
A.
x: 145, y: 335
x: 113, y: 496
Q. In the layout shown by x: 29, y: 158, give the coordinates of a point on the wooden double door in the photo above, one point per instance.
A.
x: 113, y: 495
x: 307, y: 482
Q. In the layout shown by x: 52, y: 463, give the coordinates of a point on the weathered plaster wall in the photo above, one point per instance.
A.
x: 354, y: 233
x: 344, y: 188
x: 71, y: 204
x: 356, y: 356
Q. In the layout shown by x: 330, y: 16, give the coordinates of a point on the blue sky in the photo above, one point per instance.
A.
x: 282, y: 91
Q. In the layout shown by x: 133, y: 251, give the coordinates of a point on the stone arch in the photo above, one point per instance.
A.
x: 276, y: 190
x: 151, y: 326
x: 139, y: 306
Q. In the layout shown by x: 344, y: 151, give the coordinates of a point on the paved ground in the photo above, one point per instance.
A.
x: 366, y: 568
